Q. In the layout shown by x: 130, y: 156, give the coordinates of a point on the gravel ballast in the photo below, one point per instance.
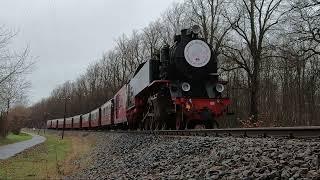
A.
x: 138, y: 156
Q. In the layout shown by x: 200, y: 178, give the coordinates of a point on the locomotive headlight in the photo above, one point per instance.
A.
x: 185, y: 86
x: 219, y: 88
x: 195, y: 29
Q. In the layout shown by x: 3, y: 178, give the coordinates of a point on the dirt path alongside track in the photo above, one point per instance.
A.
x: 11, y: 150
x: 53, y: 159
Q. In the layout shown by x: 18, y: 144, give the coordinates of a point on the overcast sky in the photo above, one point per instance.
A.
x: 66, y: 36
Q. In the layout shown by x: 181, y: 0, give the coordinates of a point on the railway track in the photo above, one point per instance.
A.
x: 289, y: 132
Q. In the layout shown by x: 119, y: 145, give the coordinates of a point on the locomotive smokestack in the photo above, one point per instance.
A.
x: 177, y: 38
x: 184, y: 33
x: 164, y: 53
x: 195, y: 29
x: 164, y: 59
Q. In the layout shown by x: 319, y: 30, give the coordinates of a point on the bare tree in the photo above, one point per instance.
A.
x: 13, y: 67
x: 151, y: 36
x: 172, y: 21
x: 305, y: 20
x: 253, y: 20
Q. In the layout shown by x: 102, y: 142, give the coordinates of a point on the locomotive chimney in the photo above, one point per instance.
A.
x: 184, y: 33
x: 177, y: 38
x: 164, y: 53
x: 164, y: 60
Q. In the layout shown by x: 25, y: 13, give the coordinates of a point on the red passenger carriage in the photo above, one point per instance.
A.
x: 49, y: 124
x: 54, y: 124
x: 60, y: 123
x: 95, y: 119
x: 85, y: 120
x: 120, y: 106
x: 76, y: 122
x: 107, y: 113
x: 68, y: 124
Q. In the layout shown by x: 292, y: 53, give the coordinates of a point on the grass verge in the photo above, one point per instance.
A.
x: 12, y: 138
x: 52, y: 159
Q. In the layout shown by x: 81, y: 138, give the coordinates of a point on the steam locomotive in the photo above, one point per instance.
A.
x: 176, y: 89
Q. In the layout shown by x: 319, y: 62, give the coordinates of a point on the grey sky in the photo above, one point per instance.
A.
x: 67, y: 35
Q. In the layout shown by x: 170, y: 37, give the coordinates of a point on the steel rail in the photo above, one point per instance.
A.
x: 290, y: 132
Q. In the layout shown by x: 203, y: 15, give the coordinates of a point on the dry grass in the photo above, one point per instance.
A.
x: 81, y: 145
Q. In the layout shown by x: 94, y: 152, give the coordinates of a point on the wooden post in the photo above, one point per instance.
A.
x: 64, y: 117
x: 2, y: 125
x: 6, y: 122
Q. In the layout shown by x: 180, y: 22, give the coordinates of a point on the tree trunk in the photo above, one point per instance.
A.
x: 3, y: 125
x: 255, y: 81
x: 254, y: 101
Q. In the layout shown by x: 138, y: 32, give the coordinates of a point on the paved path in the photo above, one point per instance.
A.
x: 10, y: 150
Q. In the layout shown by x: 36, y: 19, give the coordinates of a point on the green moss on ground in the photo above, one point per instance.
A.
x: 12, y: 138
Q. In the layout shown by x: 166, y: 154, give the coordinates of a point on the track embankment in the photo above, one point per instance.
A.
x: 150, y: 156
x: 290, y: 132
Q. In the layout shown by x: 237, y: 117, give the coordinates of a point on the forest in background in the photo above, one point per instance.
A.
x: 268, y: 51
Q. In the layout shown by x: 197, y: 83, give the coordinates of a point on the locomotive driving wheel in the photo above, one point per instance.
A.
x: 212, y: 125
x: 208, y: 119
x: 180, y: 124
x: 145, y: 123
x: 160, y: 106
